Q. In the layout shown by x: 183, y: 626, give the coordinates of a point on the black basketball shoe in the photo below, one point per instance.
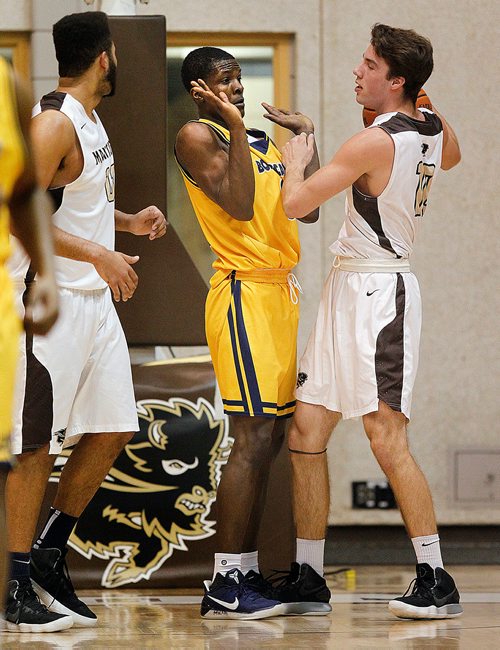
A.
x: 302, y: 591
x: 53, y: 585
x: 25, y: 613
x: 434, y: 595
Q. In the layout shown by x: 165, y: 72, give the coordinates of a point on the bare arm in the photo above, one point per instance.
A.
x: 451, y: 148
x: 297, y: 123
x: 31, y: 218
x: 224, y: 174
x: 149, y: 221
x: 360, y: 156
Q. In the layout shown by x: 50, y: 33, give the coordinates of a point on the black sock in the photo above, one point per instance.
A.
x: 19, y: 565
x: 56, y: 532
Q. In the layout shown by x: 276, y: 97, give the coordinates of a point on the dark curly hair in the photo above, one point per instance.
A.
x: 79, y: 39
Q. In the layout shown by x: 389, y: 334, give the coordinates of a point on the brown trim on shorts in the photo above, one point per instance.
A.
x: 389, y: 353
x: 38, y: 407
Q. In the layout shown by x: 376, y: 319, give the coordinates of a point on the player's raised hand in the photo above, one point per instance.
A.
x: 229, y: 112
x: 298, y: 151
x: 295, y: 122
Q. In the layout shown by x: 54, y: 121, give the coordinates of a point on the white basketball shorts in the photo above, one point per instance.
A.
x: 364, y: 345
x: 75, y: 380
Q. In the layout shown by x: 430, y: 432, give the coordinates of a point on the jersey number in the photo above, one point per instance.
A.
x: 425, y: 173
x: 109, y: 183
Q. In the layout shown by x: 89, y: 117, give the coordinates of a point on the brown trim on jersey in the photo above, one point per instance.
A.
x: 367, y: 207
x: 389, y: 353
x: 401, y: 123
x: 53, y: 100
x: 38, y: 407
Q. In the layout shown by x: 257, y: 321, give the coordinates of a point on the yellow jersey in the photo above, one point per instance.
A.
x: 270, y: 240
x: 11, y: 152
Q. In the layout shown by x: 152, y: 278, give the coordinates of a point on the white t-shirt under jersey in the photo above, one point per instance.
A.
x: 86, y: 206
x: 385, y: 226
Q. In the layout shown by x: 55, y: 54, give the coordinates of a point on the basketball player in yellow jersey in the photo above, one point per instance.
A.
x: 233, y: 176
x: 32, y: 226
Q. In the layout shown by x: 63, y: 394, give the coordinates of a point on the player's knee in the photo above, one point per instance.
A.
x: 306, y: 440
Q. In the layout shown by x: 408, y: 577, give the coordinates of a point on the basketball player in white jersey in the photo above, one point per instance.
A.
x: 362, y: 355
x: 75, y: 385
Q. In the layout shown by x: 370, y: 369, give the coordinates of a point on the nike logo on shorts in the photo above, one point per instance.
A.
x: 370, y: 293
x: 234, y: 605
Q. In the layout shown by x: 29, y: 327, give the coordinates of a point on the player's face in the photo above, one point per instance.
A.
x: 372, y: 84
x: 227, y: 78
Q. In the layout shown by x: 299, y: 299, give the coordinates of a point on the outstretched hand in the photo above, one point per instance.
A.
x: 295, y: 122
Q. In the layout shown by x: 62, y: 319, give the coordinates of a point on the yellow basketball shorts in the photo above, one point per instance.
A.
x: 9, y: 344
x: 251, y: 326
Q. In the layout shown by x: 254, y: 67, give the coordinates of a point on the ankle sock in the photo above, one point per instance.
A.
x: 57, y: 529
x: 225, y: 562
x: 311, y: 552
x: 19, y: 565
x: 250, y: 562
x: 428, y: 550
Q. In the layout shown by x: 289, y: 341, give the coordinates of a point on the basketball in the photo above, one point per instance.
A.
x: 423, y: 101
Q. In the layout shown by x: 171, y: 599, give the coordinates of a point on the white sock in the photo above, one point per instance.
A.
x: 250, y: 562
x: 311, y: 552
x: 224, y: 562
x: 428, y: 550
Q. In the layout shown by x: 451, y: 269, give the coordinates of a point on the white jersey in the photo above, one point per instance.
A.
x: 84, y: 207
x: 385, y: 226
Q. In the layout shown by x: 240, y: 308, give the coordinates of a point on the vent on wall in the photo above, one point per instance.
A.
x: 476, y: 474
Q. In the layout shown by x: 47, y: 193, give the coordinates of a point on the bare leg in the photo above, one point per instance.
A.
x: 310, y: 431
x: 90, y: 461
x: 240, y: 492
x: 82, y: 475
x: 387, y: 432
x: 278, y: 435
x: 25, y: 489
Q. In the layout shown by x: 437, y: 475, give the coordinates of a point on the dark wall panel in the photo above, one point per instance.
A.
x: 168, y: 306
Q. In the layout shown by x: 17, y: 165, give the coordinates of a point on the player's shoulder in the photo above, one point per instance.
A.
x: 196, y: 134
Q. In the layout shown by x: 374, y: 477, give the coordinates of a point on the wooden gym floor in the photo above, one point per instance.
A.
x: 164, y: 619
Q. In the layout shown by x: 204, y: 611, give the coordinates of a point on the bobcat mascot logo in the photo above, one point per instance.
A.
x: 159, y: 493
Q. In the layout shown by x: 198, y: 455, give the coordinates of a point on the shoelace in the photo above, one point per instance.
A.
x: 420, y: 588
x: 294, y: 288
x: 279, y: 578
x: 29, y: 597
x: 61, y: 568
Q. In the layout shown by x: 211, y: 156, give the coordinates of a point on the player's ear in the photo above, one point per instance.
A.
x: 397, y: 82
x: 196, y: 95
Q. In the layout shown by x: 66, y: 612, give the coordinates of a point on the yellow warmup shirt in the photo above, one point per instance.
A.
x: 11, y: 166
x: 270, y: 240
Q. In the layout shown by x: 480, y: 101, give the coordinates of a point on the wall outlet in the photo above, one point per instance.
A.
x: 373, y: 494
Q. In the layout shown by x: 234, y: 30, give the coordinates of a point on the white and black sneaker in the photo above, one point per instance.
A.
x: 434, y: 595
x: 53, y: 585
x: 25, y: 613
